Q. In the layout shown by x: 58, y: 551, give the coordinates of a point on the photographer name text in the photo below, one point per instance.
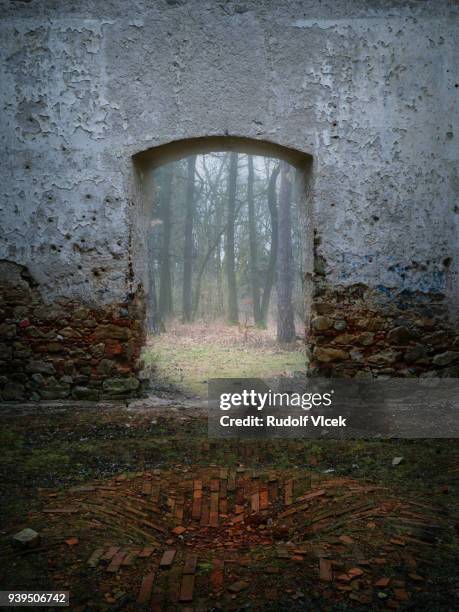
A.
x: 288, y: 421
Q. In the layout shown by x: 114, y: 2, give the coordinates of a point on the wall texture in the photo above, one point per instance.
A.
x: 368, y: 88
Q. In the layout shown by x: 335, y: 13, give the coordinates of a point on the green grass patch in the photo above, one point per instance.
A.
x: 187, y: 361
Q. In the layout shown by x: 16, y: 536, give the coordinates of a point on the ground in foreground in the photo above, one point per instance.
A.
x: 137, y: 508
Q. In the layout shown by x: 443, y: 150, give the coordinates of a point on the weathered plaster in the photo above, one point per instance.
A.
x: 369, y: 88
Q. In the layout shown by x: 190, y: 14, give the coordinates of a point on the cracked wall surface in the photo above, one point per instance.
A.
x: 368, y: 88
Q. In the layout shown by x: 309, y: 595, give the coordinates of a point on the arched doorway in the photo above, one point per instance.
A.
x: 225, y: 233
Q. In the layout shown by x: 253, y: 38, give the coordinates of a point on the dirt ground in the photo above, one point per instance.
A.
x: 137, y: 509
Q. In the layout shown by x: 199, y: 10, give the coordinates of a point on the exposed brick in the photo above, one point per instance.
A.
x: 145, y: 588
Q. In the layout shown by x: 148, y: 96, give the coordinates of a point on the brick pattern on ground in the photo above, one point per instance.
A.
x: 341, y: 535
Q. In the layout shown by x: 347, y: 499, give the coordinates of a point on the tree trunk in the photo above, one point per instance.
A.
x: 165, y: 306
x: 253, y: 245
x: 188, y: 249
x: 153, y: 318
x: 233, y: 311
x: 271, y: 272
x: 285, y: 316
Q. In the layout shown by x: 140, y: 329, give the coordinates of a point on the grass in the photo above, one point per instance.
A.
x: 187, y: 356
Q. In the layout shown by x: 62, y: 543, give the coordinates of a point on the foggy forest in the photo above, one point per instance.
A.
x: 226, y: 266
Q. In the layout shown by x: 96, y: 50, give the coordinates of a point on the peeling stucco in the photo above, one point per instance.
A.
x: 368, y: 88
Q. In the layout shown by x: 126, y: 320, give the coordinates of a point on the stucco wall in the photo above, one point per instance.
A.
x: 368, y: 88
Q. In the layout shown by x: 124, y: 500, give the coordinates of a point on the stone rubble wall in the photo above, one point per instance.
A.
x: 66, y: 350
x: 358, y: 331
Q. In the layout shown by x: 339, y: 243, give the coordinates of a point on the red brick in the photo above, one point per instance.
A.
x: 167, y: 558
x: 311, y: 495
x: 272, y: 488
x: 111, y: 552
x: 145, y: 588
x: 214, y: 496
x: 264, y: 502
x: 255, y: 502
x: 217, y: 574
x: 130, y: 557
x: 179, y: 513
x: 382, y: 582
x: 116, y: 561
x: 187, y: 588
x: 113, y: 347
x: 146, y: 552
x: 213, y: 521
x: 325, y: 570
x: 205, y: 514
x: 147, y: 487
x: 288, y: 492
x: 190, y: 563
x: 95, y: 557
x: 196, y: 508
x: 346, y: 539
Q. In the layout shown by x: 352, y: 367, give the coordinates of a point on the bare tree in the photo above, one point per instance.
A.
x: 285, y: 314
x: 254, y: 272
x: 187, y: 309
x: 233, y: 310
x: 271, y: 272
x: 165, y: 306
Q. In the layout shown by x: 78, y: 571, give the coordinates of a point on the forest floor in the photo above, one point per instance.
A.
x: 187, y: 356
x: 137, y: 509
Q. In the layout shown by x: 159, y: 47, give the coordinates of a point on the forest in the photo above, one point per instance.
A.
x: 225, y: 244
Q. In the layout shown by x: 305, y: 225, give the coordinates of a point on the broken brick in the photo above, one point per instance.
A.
x: 167, y: 558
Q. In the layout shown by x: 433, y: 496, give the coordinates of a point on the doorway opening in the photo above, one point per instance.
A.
x: 228, y: 262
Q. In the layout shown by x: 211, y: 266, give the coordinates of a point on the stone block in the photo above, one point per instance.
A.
x: 119, y: 386
x: 384, y: 357
x: 326, y: 355
x: 105, y: 367
x: 111, y: 332
x: 446, y: 358
x: 40, y: 367
x: 27, y: 538
x: 85, y: 393
x: 416, y: 352
x: 13, y: 391
x: 400, y: 335
x: 321, y: 323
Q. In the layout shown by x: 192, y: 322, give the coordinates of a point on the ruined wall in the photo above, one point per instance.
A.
x: 368, y: 88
